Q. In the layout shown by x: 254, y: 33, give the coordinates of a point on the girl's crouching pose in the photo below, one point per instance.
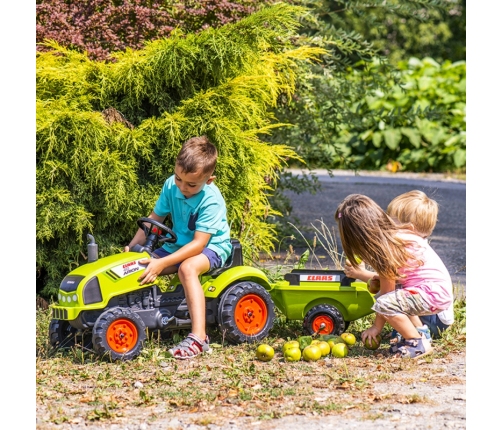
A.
x: 397, y: 254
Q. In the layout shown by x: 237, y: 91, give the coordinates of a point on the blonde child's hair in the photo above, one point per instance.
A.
x: 197, y: 154
x: 367, y: 232
x: 417, y: 208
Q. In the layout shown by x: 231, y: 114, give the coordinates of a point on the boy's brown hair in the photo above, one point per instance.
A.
x: 417, y: 208
x: 197, y: 154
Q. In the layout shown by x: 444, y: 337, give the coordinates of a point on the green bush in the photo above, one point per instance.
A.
x: 393, y: 130
x: 108, y: 133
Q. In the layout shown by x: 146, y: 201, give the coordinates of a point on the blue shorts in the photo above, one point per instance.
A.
x: 214, y: 259
x: 435, y: 325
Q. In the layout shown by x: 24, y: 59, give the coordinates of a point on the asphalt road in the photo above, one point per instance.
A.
x: 449, y: 236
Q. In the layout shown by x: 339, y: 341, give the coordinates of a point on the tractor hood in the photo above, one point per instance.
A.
x: 91, y: 285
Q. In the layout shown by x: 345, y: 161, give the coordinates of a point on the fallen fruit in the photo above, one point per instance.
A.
x: 290, y: 344
x: 348, y: 338
x: 292, y: 354
x: 325, y: 348
x: 312, y: 353
x: 264, y: 352
x: 340, y: 350
x: 334, y: 341
x: 371, y: 343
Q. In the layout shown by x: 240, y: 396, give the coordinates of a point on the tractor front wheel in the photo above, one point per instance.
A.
x: 323, y: 319
x: 62, y: 334
x: 119, y: 333
x: 245, y: 313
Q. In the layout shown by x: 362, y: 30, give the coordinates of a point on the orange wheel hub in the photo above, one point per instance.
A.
x: 325, y: 322
x: 122, y: 335
x: 251, y: 314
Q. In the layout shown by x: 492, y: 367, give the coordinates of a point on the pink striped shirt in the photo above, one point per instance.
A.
x: 431, y: 280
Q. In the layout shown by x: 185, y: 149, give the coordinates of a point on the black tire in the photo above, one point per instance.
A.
x: 328, y: 315
x: 62, y: 334
x: 245, y: 313
x: 119, y: 333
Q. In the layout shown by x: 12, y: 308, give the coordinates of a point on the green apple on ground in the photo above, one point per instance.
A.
x: 312, y: 353
x: 348, y: 338
x: 340, y: 350
x: 325, y: 348
x: 371, y: 343
x: 264, y: 352
x: 292, y: 354
x: 333, y: 341
x: 289, y: 344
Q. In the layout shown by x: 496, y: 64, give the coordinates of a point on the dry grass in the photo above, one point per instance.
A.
x: 75, y: 387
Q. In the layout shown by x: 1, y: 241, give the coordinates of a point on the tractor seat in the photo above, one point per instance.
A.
x: 235, y: 259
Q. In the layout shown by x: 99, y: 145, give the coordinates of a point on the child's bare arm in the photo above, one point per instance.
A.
x: 357, y: 272
x: 387, y: 285
x: 139, y: 237
x: 375, y: 329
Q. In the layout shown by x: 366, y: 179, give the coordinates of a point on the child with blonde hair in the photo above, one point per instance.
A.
x: 399, y: 255
x: 415, y: 208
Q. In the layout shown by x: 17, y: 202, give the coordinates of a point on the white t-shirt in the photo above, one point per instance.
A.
x: 447, y: 316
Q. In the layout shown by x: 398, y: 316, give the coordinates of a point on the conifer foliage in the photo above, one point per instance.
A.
x: 108, y: 132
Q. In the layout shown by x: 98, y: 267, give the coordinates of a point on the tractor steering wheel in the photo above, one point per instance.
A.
x: 156, y: 234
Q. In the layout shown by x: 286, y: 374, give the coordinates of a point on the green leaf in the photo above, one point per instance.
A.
x: 304, y: 341
x: 413, y: 135
x: 452, y: 140
x: 392, y: 137
x: 377, y: 139
x: 460, y: 158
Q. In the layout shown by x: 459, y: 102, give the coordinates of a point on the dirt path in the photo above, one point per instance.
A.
x: 428, y: 394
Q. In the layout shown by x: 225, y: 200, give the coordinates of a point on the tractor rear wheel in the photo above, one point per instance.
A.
x: 323, y: 319
x: 245, y: 313
x: 119, y: 333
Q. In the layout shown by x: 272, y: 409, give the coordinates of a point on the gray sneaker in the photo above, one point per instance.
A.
x: 191, y: 347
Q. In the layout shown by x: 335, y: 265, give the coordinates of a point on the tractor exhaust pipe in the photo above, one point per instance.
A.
x: 92, y: 249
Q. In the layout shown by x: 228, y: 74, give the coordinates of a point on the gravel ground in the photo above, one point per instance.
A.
x: 430, y: 395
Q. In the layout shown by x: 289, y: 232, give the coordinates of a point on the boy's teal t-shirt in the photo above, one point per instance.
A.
x: 206, y: 212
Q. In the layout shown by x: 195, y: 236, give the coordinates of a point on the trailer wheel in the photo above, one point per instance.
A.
x: 119, y: 333
x: 323, y: 319
x: 62, y: 334
x: 245, y: 313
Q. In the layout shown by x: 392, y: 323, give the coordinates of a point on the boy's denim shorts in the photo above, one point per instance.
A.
x: 214, y: 259
x: 401, y: 301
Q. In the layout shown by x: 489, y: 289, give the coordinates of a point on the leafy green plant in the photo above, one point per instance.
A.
x: 417, y: 143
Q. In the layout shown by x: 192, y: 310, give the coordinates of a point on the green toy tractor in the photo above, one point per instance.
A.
x: 101, y: 303
x: 103, y: 300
